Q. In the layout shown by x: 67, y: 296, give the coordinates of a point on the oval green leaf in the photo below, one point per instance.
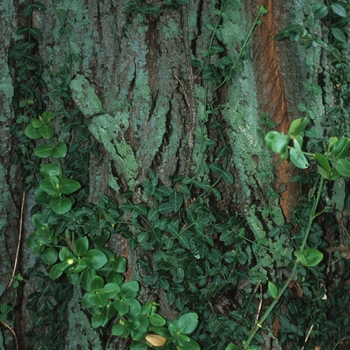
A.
x: 43, y: 151
x: 68, y: 186
x: 341, y: 148
x: 297, y: 126
x: 60, y: 151
x: 47, y: 131
x: 343, y: 167
x: 277, y: 142
x: 297, y: 156
x: 49, y: 256
x: 272, y: 289
x: 95, y: 259
x: 31, y: 132
x: 48, y: 170
x: 60, y: 205
x: 187, y: 323
x: 81, y: 246
x: 313, y: 256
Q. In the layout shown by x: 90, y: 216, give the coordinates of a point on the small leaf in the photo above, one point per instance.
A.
x: 297, y: 126
x: 95, y: 259
x: 81, y: 246
x: 60, y: 205
x: 48, y: 170
x: 339, y: 10
x: 187, y: 323
x: 43, y: 151
x: 165, y: 208
x: 343, y: 167
x: 32, y: 132
x: 321, y: 12
x: 68, y: 186
x: 277, y: 142
x: 341, y: 147
x: 49, y: 256
x: 272, y: 289
x: 338, y: 34
x: 309, y: 257
x: 232, y: 347
x: 300, y: 256
x: 47, y: 131
x: 297, y: 156
x: 323, y: 165
x: 228, y: 177
x: 60, y: 151
x: 50, y: 186
x: 176, y: 199
x: 129, y: 290
x: 313, y: 256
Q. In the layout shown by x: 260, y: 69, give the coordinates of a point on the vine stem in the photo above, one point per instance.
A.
x: 294, y: 269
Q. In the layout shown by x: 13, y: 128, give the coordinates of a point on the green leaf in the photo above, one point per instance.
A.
x: 129, y: 290
x: 343, y: 167
x: 165, y: 208
x: 176, y: 200
x: 60, y: 205
x: 216, y: 168
x: 60, y: 151
x: 47, y: 116
x: 56, y: 271
x: 50, y: 186
x: 48, y: 170
x: 120, y: 331
x: 31, y: 132
x: 138, y: 346
x: 81, y: 246
x: 339, y: 10
x: 232, y: 346
x: 187, y: 323
x: 309, y: 257
x: 119, y: 264
x: 297, y: 156
x: 122, y: 306
x: 277, y: 142
x: 323, y: 165
x: 297, y: 127
x: 153, y: 214
x: 68, y: 186
x: 338, y: 34
x: 341, y: 148
x: 86, y: 277
x: 112, y: 289
x: 95, y: 259
x: 35, y: 32
x: 28, y: 10
x: 140, y: 209
x: 97, y: 283
x: 43, y: 151
x: 228, y: 177
x: 157, y: 320
x: 190, y: 345
x: 49, y: 256
x: 313, y: 256
x: 321, y: 11
x: 33, y: 243
x: 272, y: 289
x: 47, y: 131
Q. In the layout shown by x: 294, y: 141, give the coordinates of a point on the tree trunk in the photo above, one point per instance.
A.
x: 147, y: 108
